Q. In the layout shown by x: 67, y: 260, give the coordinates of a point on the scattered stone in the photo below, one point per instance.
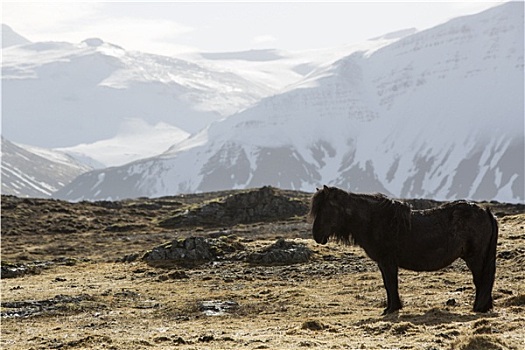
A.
x: 506, y: 254
x: 179, y: 340
x: 18, y: 270
x: 281, y: 252
x: 206, y: 338
x: 451, y: 302
x: 161, y: 339
x: 308, y: 344
x: 191, y: 251
x: 129, y: 258
x: 37, y: 307
x: 218, y: 307
x: 175, y: 275
x: 9, y: 270
x: 313, y: 325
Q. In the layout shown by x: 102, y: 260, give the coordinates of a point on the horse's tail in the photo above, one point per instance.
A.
x: 489, y: 264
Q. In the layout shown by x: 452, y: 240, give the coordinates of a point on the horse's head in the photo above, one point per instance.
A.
x: 327, y: 212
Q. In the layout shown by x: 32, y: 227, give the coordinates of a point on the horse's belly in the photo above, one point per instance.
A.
x: 428, y: 255
x: 425, y: 264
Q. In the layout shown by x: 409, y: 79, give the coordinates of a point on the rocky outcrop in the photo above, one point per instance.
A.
x: 198, y: 250
x: 281, y: 252
x: 191, y: 251
x: 260, y: 205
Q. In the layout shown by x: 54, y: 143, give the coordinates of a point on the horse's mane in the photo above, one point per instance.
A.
x: 394, y: 215
x: 317, y: 201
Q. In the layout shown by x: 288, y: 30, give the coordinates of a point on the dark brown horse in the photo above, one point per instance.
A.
x: 395, y: 236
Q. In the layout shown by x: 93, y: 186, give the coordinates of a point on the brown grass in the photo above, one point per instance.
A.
x: 331, y: 302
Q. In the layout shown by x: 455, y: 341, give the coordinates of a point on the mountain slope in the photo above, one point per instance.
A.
x: 36, y: 172
x: 11, y: 38
x: 438, y: 113
x: 59, y: 94
x: 79, y: 97
x: 125, y: 147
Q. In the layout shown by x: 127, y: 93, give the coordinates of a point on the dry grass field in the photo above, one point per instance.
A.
x: 73, y: 278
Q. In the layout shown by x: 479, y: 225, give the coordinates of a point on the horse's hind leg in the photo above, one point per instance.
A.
x: 390, y: 280
x: 483, y: 273
x: 483, y: 267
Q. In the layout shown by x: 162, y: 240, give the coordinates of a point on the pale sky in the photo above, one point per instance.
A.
x: 170, y: 28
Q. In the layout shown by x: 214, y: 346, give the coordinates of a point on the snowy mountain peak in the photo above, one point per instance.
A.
x: 11, y: 38
x: 93, y: 42
x: 59, y: 94
x: 398, y: 34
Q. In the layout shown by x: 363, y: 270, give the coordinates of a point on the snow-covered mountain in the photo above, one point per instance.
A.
x: 82, y: 98
x: 58, y: 94
x: 34, y: 172
x: 437, y: 113
x: 11, y: 38
x: 135, y: 140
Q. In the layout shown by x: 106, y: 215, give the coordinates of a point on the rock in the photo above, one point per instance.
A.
x: 206, y: 338
x: 282, y: 252
x: 191, y: 251
x: 175, y: 275
x: 10, y: 270
x: 218, y: 307
x: 129, y: 258
x: 31, y: 308
x: 313, y: 325
x: 17, y: 270
x: 161, y: 339
x: 452, y: 302
x: 261, y: 205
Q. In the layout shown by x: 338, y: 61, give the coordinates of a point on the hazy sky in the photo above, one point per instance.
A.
x: 171, y: 27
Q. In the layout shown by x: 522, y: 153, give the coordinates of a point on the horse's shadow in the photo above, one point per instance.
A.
x: 430, y: 317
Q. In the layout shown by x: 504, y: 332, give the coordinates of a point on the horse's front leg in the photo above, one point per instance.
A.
x: 389, y: 271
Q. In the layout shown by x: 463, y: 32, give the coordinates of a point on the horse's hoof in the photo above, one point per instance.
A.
x: 483, y: 308
x: 390, y: 311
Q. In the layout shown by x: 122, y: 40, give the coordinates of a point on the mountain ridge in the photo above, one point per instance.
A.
x: 435, y: 113
x: 419, y: 117
x: 31, y: 172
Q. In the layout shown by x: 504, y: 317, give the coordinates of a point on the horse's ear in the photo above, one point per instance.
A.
x: 325, y: 187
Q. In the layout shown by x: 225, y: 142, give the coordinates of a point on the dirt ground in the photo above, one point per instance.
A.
x: 72, y: 278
